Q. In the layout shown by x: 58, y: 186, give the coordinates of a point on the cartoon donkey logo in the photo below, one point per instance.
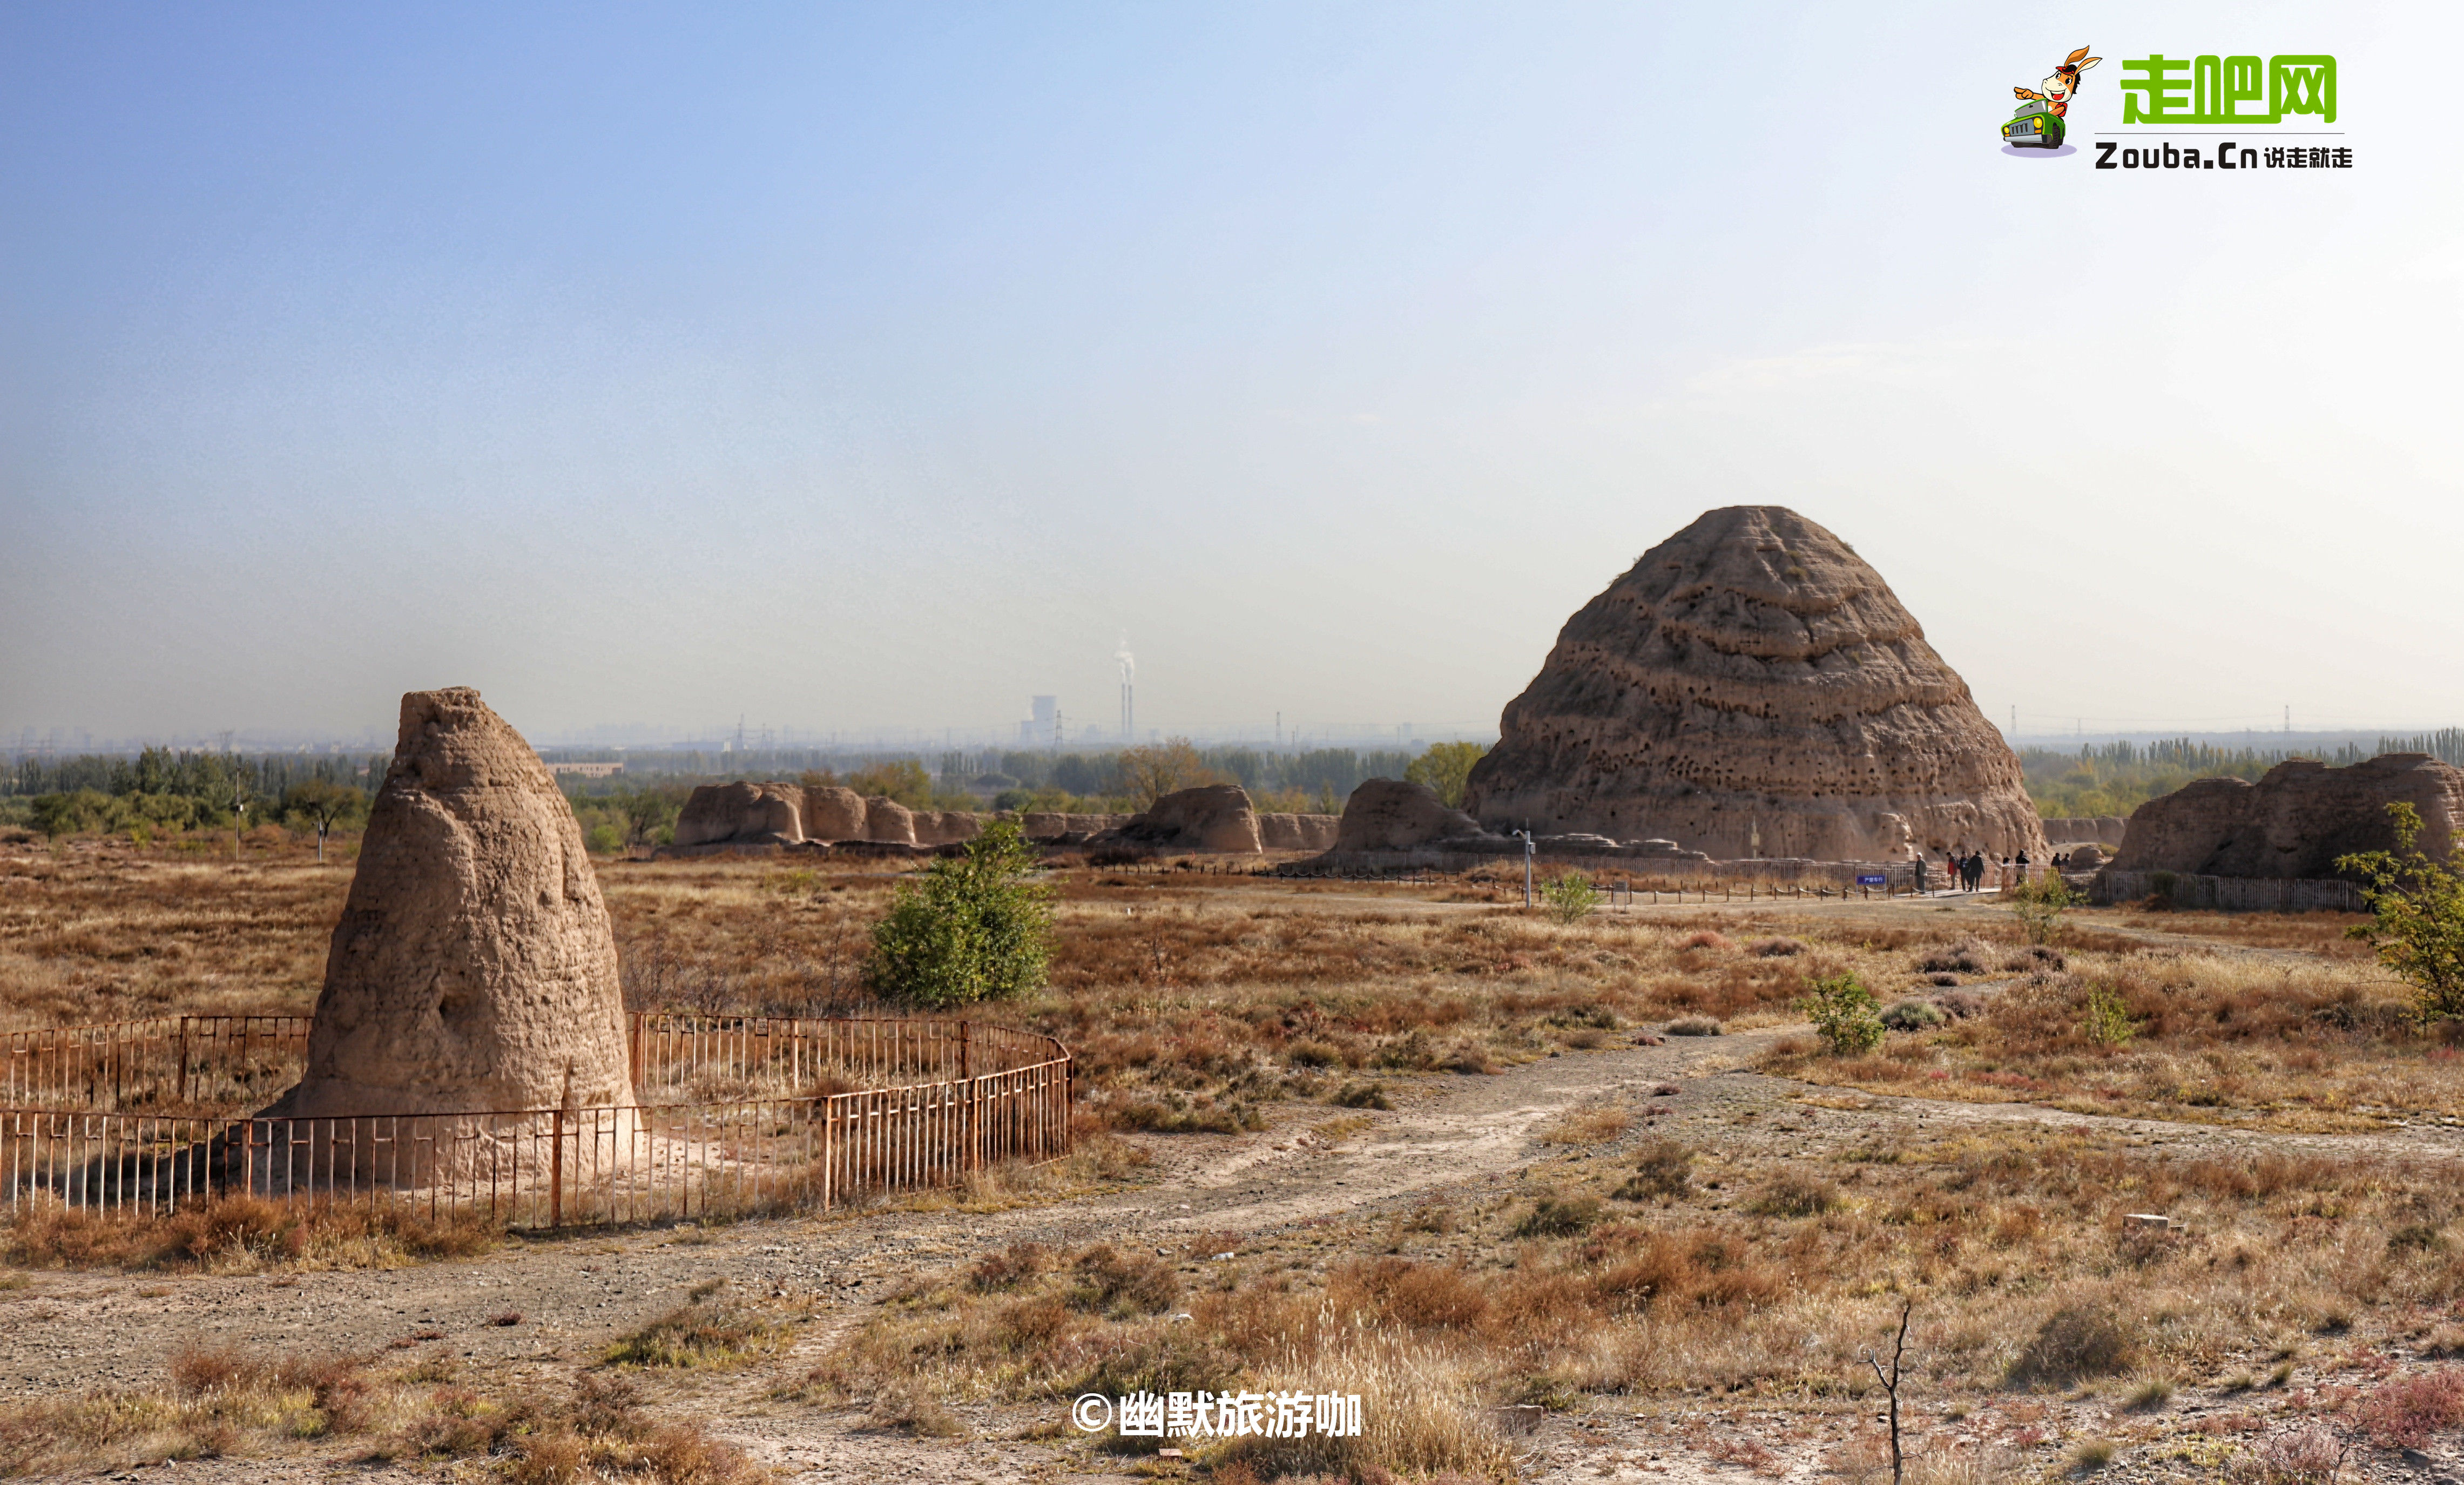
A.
x: 2058, y: 88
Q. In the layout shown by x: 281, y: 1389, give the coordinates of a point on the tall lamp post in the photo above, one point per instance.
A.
x: 1525, y: 836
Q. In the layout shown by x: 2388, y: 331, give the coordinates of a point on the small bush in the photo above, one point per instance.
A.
x: 1774, y: 948
x: 1313, y: 1054
x: 1469, y: 1057
x: 1960, y: 1006
x: 1912, y: 1015
x: 1009, y: 1268
x: 2311, y: 1454
x: 1559, y: 1217
x: 1693, y: 1026
x: 603, y: 1434
x: 974, y: 929
x: 1162, y: 1359
x: 1842, y: 1012
x: 905, y: 1408
x: 1120, y: 1284
x: 2416, y: 914
x: 2405, y: 1413
x: 1966, y: 957
x: 2107, y: 1020
x: 1570, y: 898
x: 703, y: 1335
x: 2039, y: 902
x: 1707, y: 938
x: 1794, y: 1195
x: 1665, y: 1168
x: 2076, y: 1342
x: 1363, y: 1096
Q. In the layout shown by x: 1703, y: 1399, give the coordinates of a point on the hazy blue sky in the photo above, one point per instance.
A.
x: 859, y: 367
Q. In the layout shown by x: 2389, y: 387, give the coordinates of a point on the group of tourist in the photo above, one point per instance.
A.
x: 1965, y: 870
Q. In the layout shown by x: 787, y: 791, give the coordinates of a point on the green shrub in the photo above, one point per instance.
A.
x: 2039, y: 904
x: 2108, y: 1019
x: 77, y: 812
x: 974, y: 929
x: 1844, y: 1015
x: 1570, y: 898
x: 2416, y: 914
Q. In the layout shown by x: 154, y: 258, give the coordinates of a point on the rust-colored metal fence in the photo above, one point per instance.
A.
x: 732, y: 1115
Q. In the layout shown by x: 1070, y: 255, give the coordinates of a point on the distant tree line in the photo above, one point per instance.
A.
x: 2446, y: 744
x: 162, y: 790
x: 2115, y: 778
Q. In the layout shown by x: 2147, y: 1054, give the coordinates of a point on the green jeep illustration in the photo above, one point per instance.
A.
x: 2034, y: 125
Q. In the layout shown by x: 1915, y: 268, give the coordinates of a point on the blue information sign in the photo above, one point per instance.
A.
x: 1871, y: 880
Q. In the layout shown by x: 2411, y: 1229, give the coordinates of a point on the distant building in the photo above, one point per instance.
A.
x: 586, y: 770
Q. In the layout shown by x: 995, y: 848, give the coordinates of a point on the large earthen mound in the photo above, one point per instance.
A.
x: 741, y: 813
x: 832, y: 813
x: 1752, y: 688
x: 2295, y: 821
x: 473, y: 967
x: 1214, y: 817
x: 886, y: 820
x: 1388, y: 814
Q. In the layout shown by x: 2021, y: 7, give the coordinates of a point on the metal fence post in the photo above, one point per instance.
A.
x: 967, y: 1154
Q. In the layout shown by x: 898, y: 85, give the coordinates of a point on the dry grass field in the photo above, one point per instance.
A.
x: 1561, y: 1201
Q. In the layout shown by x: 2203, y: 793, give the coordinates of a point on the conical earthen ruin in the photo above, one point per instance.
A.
x: 475, y: 968
x: 1751, y: 687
